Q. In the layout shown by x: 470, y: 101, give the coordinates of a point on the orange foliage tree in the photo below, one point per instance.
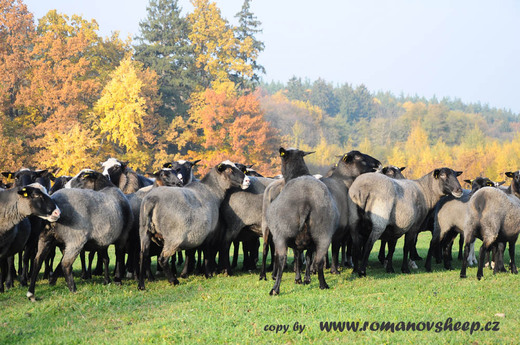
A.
x: 225, y: 125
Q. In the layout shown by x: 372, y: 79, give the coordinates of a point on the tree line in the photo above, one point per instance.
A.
x: 190, y: 86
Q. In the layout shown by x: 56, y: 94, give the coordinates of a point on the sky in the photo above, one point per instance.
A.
x: 467, y: 49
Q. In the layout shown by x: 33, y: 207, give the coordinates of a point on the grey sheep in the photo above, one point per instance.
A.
x: 449, y: 218
x: 303, y: 216
x: 92, y: 219
x: 493, y: 216
x: 399, y: 205
x: 185, y: 218
x: 17, y: 204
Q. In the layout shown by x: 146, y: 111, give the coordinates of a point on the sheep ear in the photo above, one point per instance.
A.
x: 221, y: 167
x: 468, y: 181
x: 124, y: 165
x: 510, y: 174
x: 282, y: 151
x: 195, y: 162
x: 7, y: 174
x: 500, y: 183
x: 459, y: 173
x: 167, y: 165
x: 436, y: 173
x: 385, y: 169
x: 308, y: 153
x: 402, y: 168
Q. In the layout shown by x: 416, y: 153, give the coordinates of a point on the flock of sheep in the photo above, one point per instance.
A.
x: 357, y: 203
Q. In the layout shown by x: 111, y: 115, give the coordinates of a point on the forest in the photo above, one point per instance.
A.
x: 190, y: 87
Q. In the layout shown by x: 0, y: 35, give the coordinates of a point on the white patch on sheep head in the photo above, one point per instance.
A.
x: 111, y: 162
x: 69, y: 184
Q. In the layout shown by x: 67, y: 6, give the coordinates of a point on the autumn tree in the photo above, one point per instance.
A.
x: 126, y: 113
x: 163, y: 46
x: 227, y: 125
x: 16, y: 36
x: 218, y: 53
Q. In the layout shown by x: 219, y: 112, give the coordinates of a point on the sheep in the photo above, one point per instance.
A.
x: 185, y: 218
x: 494, y: 217
x: 123, y: 176
x: 25, y: 177
x: 183, y: 170
x: 165, y: 177
x: 303, y: 216
x: 241, y: 211
x: 397, y: 206
x: 350, y: 166
x: 449, y: 218
x: 91, y: 219
x: 18, y: 203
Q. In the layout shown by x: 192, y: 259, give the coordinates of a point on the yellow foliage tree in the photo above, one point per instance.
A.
x: 71, y: 150
x: 218, y: 52
x: 124, y: 113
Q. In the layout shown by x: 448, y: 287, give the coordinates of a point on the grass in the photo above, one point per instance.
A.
x: 236, y: 309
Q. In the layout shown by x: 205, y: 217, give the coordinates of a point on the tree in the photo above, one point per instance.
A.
x: 16, y: 36
x: 245, y: 33
x: 126, y: 116
x: 227, y: 125
x: 163, y: 46
x: 322, y: 95
x: 219, y: 54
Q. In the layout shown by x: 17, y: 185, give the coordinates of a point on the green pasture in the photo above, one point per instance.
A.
x: 238, y: 309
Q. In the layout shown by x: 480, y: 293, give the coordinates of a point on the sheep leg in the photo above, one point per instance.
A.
x: 49, y: 263
x: 308, y: 258
x: 408, y: 240
x: 498, y: 255
x: 391, y: 249
x: 335, y: 257
x: 382, y: 257
x: 281, y: 258
x: 224, y: 257
x: 103, y: 255
x: 319, y: 258
x: 9, y: 281
x: 297, y: 267
x: 44, y: 245
x: 465, y: 260
x: 83, y: 265
x: 482, y: 257
x: 236, y: 246
x: 70, y: 254
x: 120, y: 264
x: 461, y: 245
x: 414, y: 255
x: 3, y: 273
x: 143, y: 258
x: 265, y: 249
x: 446, y: 245
x: 189, y: 263
x: 163, y: 261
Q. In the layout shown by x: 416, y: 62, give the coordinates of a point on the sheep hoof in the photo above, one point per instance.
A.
x: 298, y: 281
x: 30, y: 296
x: 324, y: 286
x: 362, y: 274
x: 463, y: 275
x: 479, y: 277
x: 306, y: 282
x: 140, y: 287
x: 335, y: 271
x: 390, y: 269
x: 273, y: 292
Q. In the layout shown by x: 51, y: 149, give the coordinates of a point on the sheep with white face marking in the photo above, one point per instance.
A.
x: 185, y: 218
x: 92, y: 219
x: 493, y: 216
x: 397, y: 206
x: 16, y: 204
x: 449, y: 218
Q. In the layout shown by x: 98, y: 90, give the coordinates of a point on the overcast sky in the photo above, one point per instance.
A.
x: 467, y: 49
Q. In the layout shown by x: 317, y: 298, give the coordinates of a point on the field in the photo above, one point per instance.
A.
x: 239, y: 310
